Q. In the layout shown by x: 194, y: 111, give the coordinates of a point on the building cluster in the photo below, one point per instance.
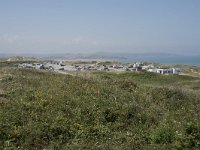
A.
x: 137, y: 67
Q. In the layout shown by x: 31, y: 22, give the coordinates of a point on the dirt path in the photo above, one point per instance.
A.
x: 192, y: 75
x: 65, y: 73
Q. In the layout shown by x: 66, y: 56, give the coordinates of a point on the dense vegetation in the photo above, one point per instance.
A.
x: 43, y: 110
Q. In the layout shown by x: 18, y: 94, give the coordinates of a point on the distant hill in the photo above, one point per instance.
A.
x: 10, y: 58
x: 21, y: 58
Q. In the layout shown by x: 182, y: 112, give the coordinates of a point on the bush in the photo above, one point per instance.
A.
x: 162, y: 135
x: 109, y: 111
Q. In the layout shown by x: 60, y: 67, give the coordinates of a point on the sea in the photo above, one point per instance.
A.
x: 183, y: 60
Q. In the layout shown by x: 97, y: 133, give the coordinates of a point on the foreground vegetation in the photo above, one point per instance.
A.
x: 43, y: 110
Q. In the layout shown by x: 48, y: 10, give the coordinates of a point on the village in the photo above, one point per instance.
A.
x: 136, y: 67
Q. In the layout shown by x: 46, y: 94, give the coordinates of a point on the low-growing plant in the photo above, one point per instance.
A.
x: 46, y: 110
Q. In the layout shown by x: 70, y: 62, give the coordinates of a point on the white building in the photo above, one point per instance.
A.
x: 165, y: 71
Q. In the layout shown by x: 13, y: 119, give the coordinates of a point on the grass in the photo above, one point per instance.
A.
x: 147, y: 78
x: 43, y: 110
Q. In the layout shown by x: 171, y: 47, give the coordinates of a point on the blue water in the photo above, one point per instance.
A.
x: 185, y: 60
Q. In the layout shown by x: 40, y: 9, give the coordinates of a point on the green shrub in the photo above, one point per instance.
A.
x: 192, y: 136
x: 162, y: 135
x: 108, y: 111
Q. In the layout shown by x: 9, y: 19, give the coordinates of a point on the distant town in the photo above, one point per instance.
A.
x: 98, y: 66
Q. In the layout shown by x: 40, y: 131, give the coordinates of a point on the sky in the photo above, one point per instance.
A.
x: 89, y: 26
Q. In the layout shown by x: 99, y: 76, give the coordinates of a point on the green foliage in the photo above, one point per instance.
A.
x: 43, y: 110
x: 191, y: 137
x: 163, y: 135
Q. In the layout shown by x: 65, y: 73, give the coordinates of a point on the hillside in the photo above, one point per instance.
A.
x: 101, y: 110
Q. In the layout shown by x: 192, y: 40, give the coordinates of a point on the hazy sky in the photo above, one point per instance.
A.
x: 62, y: 26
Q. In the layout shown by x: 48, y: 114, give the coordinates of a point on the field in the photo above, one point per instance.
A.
x: 98, y: 110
